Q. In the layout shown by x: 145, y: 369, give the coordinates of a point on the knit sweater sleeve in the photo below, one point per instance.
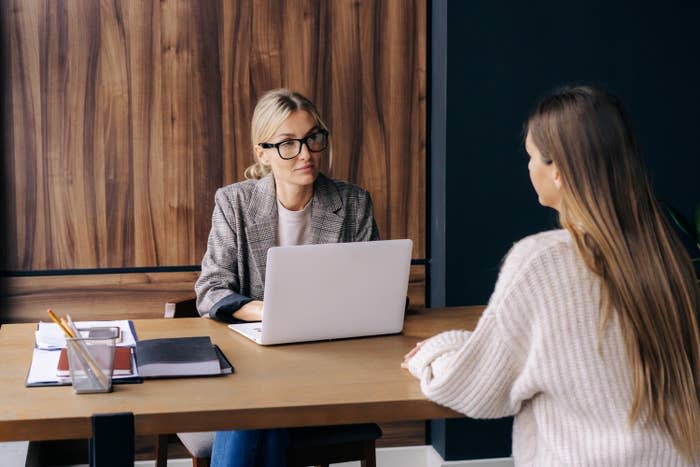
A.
x: 471, y: 373
x: 484, y: 373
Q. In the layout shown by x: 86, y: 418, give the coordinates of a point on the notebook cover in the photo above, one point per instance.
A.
x: 122, y: 362
x: 177, y: 356
x: 226, y: 367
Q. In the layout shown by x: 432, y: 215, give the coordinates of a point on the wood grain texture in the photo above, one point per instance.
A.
x: 397, y: 434
x: 122, y: 118
x: 93, y: 297
x: 294, y: 385
x: 417, y: 286
x: 116, y: 296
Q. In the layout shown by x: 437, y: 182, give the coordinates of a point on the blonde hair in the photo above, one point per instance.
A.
x: 273, y: 108
x: 647, y: 277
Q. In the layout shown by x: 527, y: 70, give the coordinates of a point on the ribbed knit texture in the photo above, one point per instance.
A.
x: 536, y: 354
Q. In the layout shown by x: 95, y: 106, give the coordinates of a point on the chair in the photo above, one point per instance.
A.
x: 321, y: 445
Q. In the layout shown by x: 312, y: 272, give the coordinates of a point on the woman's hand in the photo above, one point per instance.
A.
x: 410, y: 354
x: 251, y: 311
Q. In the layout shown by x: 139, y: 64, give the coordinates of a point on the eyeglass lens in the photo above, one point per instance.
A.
x: 315, y: 142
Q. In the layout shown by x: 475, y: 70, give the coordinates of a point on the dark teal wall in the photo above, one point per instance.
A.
x: 503, y: 56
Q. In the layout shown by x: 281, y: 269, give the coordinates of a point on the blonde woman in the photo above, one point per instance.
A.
x: 591, y: 337
x: 285, y: 200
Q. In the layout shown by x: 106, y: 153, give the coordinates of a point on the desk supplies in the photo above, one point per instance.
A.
x: 90, y: 360
x: 50, y: 336
x: 91, y: 363
x: 180, y: 356
x: 50, y: 339
x: 62, y: 324
x: 43, y: 371
x: 104, y: 332
x: 123, y: 363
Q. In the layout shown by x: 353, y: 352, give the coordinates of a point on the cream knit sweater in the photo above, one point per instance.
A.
x: 535, y: 355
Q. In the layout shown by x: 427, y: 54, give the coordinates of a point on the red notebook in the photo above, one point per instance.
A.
x: 122, y: 362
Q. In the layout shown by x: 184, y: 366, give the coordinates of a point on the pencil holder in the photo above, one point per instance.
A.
x: 91, y: 362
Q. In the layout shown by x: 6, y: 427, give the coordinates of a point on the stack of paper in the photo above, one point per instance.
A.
x: 50, y: 339
x: 49, y: 336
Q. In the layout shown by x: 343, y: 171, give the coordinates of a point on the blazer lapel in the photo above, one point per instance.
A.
x: 326, y: 212
x: 261, y: 230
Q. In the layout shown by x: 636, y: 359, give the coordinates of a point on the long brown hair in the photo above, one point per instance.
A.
x: 619, y: 229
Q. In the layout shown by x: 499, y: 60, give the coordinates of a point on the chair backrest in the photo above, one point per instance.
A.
x: 186, y: 308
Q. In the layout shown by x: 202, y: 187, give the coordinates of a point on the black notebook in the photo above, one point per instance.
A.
x: 180, y: 356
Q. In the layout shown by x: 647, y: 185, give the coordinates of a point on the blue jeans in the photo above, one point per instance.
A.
x: 250, y: 448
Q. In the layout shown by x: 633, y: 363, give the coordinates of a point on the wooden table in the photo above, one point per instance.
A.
x: 321, y: 383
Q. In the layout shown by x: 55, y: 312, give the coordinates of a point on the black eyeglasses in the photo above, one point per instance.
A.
x: 290, y: 148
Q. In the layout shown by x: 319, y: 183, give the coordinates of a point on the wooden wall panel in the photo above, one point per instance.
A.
x: 117, y: 296
x: 123, y: 117
x: 94, y: 296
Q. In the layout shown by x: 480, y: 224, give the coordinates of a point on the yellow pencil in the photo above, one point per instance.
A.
x: 68, y: 326
x: 55, y: 319
x: 93, y: 371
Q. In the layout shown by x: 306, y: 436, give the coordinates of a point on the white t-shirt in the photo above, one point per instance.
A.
x: 293, y: 227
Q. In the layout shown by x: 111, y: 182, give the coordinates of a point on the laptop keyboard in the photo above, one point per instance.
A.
x: 251, y: 330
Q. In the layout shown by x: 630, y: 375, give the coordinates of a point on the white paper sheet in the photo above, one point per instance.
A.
x: 45, y: 362
x: 49, y: 336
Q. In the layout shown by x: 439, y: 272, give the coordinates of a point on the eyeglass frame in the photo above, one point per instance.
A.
x: 302, y: 142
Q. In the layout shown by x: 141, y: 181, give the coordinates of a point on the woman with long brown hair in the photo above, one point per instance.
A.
x: 591, y: 337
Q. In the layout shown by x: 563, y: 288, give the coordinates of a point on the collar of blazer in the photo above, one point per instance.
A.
x: 327, y: 215
x: 263, y: 201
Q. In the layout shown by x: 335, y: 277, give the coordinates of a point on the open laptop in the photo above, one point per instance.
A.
x: 332, y: 291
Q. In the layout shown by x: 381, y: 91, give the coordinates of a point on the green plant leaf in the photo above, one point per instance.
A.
x: 697, y: 224
x: 684, y: 224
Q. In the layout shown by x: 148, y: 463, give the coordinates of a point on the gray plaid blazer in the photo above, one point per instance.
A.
x: 244, y: 227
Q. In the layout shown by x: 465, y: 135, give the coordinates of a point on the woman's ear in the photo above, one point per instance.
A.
x: 556, y: 176
x: 261, y: 155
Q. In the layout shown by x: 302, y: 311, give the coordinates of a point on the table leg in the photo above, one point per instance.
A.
x: 112, y: 442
